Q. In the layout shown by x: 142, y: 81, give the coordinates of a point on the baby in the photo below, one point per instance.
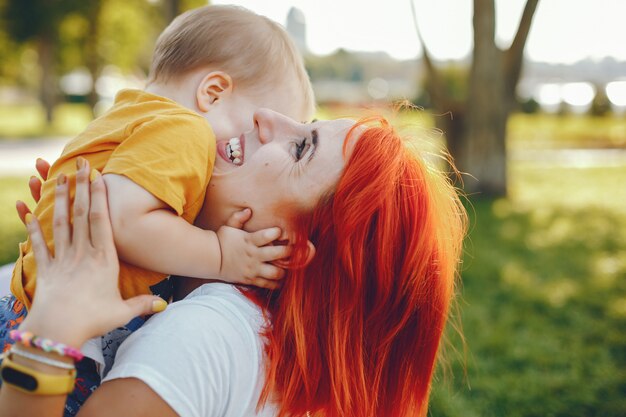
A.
x: 212, y: 68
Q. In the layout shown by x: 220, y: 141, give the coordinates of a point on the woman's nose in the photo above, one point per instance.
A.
x: 270, y: 124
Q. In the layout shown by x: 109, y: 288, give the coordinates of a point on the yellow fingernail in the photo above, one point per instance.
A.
x: 28, y: 218
x: 93, y: 175
x: 80, y: 163
x: 159, y: 305
x: 61, y: 179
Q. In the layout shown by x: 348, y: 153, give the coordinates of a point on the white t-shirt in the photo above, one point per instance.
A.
x: 203, y: 355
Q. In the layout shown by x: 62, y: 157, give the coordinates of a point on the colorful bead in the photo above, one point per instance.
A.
x: 47, y: 345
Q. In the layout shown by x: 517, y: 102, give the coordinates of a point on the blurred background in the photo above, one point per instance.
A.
x: 528, y: 96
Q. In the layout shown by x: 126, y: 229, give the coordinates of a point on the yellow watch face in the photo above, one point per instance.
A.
x: 32, y: 381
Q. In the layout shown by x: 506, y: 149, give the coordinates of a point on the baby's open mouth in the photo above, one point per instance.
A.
x: 232, y: 150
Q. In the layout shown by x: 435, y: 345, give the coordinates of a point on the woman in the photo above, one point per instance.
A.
x: 354, y: 330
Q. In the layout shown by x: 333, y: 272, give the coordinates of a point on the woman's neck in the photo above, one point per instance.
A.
x: 184, y: 285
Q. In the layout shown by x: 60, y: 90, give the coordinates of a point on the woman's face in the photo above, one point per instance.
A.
x: 278, y: 169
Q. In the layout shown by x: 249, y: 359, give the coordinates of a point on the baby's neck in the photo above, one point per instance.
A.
x: 178, y: 92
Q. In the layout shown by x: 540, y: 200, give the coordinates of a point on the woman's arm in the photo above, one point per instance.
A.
x: 128, y: 397
x: 77, y: 293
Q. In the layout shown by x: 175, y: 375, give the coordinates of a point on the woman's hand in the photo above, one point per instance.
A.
x: 77, y: 294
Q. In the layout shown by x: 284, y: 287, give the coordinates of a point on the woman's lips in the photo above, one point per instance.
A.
x: 221, y: 150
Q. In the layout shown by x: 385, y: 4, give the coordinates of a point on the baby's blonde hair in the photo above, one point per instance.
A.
x: 254, y: 50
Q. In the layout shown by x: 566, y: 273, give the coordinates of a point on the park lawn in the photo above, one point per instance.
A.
x: 550, y: 131
x: 542, y: 298
x: 29, y: 121
x: 543, y: 301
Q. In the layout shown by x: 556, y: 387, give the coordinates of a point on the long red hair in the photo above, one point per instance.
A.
x: 355, y: 333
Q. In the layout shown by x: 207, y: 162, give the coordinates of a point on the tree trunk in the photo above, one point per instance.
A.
x: 91, y: 52
x: 47, y: 81
x: 482, y: 151
x: 476, y: 129
x: 172, y: 9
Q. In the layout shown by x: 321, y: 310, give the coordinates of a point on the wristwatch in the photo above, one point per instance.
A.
x: 31, y: 381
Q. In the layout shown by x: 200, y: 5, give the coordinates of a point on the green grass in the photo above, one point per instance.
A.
x: 11, y: 229
x: 27, y: 121
x: 543, y: 301
x: 543, y: 131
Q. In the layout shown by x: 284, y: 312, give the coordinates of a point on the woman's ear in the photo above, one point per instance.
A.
x: 213, y: 87
x: 310, y: 252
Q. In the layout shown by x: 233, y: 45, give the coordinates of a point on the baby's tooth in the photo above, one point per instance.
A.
x: 236, y: 153
x: 234, y: 141
x: 236, y: 161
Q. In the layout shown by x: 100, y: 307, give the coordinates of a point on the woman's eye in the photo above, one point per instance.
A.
x: 301, y: 149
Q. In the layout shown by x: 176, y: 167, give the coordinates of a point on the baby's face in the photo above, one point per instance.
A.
x: 235, y: 115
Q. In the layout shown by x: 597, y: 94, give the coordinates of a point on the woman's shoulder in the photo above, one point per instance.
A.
x: 221, y: 299
x: 203, y: 355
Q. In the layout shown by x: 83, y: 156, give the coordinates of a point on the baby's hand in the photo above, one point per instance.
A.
x: 246, y: 256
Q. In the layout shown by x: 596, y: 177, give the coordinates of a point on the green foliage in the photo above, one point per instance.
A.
x: 192, y: 4
x: 28, y: 19
x: 529, y: 106
x: 341, y: 65
x: 601, y: 105
x: 128, y: 30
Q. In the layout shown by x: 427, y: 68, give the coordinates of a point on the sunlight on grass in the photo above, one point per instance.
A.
x: 544, y: 300
x: 548, y: 131
x: 30, y: 121
x: 568, y: 187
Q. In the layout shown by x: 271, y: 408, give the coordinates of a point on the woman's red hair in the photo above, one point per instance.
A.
x: 355, y: 333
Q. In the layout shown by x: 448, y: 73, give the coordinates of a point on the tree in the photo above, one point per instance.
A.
x: 173, y: 8
x: 476, y: 128
x: 37, y: 21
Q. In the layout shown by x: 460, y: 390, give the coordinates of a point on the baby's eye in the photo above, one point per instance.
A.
x: 301, y: 149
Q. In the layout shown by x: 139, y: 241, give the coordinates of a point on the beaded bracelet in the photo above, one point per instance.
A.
x: 40, y: 358
x: 47, y: 345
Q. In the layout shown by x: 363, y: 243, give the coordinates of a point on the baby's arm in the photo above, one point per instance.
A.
x: 150, y: 235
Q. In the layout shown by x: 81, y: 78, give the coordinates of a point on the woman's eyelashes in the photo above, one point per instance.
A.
x: 301, y: 148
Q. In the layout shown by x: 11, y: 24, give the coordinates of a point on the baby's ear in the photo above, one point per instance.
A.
x: 214, y: 86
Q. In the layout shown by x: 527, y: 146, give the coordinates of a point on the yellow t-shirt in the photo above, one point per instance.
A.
x: 160, y: 145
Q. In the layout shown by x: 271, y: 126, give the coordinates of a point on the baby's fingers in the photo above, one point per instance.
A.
x: 239, y: 218
x: 265, y: 236
x: 274, y: 253
x: 40, y: 249
x: 270, y: 284
x: 270, y: 272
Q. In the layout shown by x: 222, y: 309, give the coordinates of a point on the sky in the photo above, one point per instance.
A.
x: 563, y: 31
